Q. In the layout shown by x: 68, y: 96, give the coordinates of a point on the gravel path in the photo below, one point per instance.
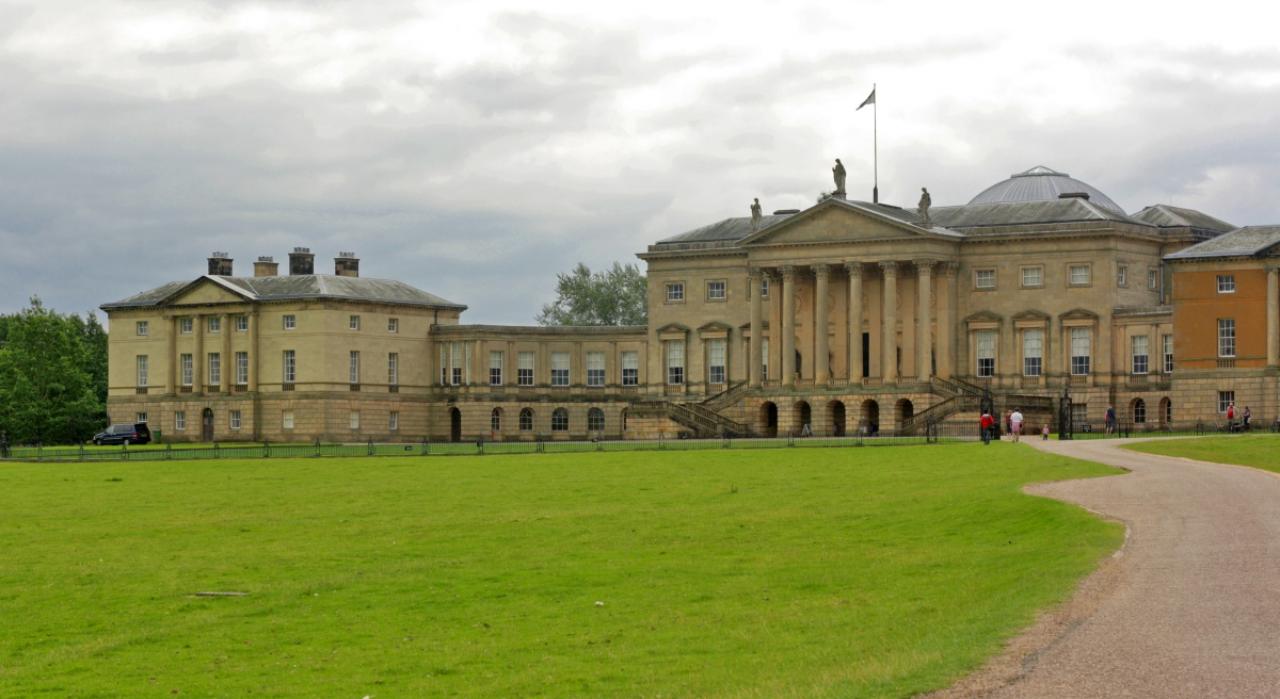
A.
x: 1190, y: 606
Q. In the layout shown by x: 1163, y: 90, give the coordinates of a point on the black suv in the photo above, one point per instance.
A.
x: 124, y: 434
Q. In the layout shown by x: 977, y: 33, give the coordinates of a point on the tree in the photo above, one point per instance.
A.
x: 613, y: 297
x: 49, y: 388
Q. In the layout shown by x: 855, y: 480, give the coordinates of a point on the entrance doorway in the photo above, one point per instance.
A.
x: 455, y: 425
x: 769, y: 419
x: 206, y: 425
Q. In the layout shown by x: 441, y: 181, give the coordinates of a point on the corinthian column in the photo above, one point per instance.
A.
x: 947, y: 321
x: 889, y: 324
x: 788, y: 326
x: 755, y: 358
x: 855, y: 321
x: 821, y: 363
x: 924, y: 319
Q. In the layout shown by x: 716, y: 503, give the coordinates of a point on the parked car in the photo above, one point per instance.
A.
x: 136, y: 433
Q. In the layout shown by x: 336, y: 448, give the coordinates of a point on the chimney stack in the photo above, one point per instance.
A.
x: 346, y: 264
x: 220, y: 264
x: 266, y: 266
x: 301, y: 261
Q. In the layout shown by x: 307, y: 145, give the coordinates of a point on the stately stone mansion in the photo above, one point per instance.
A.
x: 845, y: 316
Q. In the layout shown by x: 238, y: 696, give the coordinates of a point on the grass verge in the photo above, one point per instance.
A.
x: 1257, y: 450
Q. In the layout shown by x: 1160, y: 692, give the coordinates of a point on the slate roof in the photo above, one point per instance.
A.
x: 298, y: 287
x: 1242, y: 242
x: 728, y: 229
x: 1028, y: 212
x: 1041, y: 184
x: 1167, y: 216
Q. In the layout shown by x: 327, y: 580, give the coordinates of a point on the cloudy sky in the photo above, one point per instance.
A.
x: 474, y: 149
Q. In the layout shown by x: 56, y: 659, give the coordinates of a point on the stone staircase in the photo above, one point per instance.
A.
x: 704, y: 419
x: 963, y: 397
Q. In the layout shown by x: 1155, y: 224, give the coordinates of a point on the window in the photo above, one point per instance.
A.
x: 716, y: 290
x: 1032, y: 352
x: 764, y: 359
x: 393, y: 325
x: 560, y: 420
x: 1225, y: 400
x: 675, y: 362
x: 184, y: 361
x: 764, y: 287
x: 140, y: 417
x: 495, y: 420
x: 524, y: 369
x: 290, y: 322
x: 290, y: 366
x: 142, y: 328
x: 1140, y: 354
x: 353, y: 368
x: 986, y: 345
x: 286, y: 419
x: 354, y: 419
x: 675, y: 292
x: 1226, y: 283
x: 215, y: 325
x: 1226, y: 337
x: 393, y: 368
x: 242, y: 323
x: 1122, y: 276
x: 595, y: 369
x: 1168, y: 411
x: 393, y: 420
x: 455, y: 365
x: 185, y: 325
x: 595, y: 420
x: 526, y: 420
x: 1080, y: 342
x: 242, y: 368
x: 1153, y: 279
x: 353, y: 323
x: 1080, y: 275
x: 495, y: 368
x: 716, y: 361
x: 142, y: 370
x: 1032, y: 277
x: 1168, y: 353
x: 180, y: 420
x: 1139, y: 411
x: 233, y: 419
x: 984, y: 279
x: 559, y: 368
x: 630, y: 368
x: 215, y: 369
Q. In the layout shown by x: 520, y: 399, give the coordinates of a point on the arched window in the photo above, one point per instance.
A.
x: 595, y: 420
x: 1168, y: 411
x: 1139, y: 411
x: 560, y: 420
x: 623, y: 418
x: 526, y: 420
x: 495, y: 420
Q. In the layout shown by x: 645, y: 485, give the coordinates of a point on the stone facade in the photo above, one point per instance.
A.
x: 845, y: 316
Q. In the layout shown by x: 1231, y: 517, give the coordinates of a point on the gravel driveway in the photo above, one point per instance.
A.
x: 1190, y: 607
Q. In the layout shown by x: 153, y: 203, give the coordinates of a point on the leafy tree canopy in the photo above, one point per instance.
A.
x: 613, y: 297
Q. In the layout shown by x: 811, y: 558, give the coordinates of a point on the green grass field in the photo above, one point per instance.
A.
x: 1257, y: 450
x: 765, y: 573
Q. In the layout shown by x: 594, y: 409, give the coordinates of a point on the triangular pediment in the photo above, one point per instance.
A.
x: 838, y: 221
x: 205, y: 291
x: 1079, y: 314
x: 984, y: 317
x: 1031, y: 314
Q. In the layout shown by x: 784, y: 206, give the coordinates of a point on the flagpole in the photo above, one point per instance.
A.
x: 875, y: 148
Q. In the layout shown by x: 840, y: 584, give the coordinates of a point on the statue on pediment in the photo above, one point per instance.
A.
x: 838, y: 173
x: 925, y: 202
x: 756, y: 213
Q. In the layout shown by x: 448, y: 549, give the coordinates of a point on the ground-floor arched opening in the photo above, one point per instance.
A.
x: 1138, y: 411
x: 769, y: 419
x: 206, y: 425
x: 869, y: 417
x: 802, y: 417
x: 1166, y: 412
x: 455, y: 425
x: 835, y: 411
x: 902, y: 412
x: 495, y: 423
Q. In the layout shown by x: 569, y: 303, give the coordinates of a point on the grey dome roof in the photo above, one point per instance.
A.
x: 1041, y: 184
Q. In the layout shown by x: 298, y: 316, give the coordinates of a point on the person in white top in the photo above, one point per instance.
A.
x: 1015, y: 423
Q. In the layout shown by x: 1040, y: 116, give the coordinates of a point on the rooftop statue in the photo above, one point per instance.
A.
x: 756, y: 213
x: 838, y: 173
x: 925, y: 202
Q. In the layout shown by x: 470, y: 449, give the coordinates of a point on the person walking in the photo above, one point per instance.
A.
x: 1015, y: 424
x: 984, y: 427
x: 1246, y: 416
x: 1110, y: 419
x: 1231, y: 417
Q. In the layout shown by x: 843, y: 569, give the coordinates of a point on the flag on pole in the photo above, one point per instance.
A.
x: 871, y: 99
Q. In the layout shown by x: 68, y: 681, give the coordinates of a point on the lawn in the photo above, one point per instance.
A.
x: 763, y: 573
x: 1258, y: 450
